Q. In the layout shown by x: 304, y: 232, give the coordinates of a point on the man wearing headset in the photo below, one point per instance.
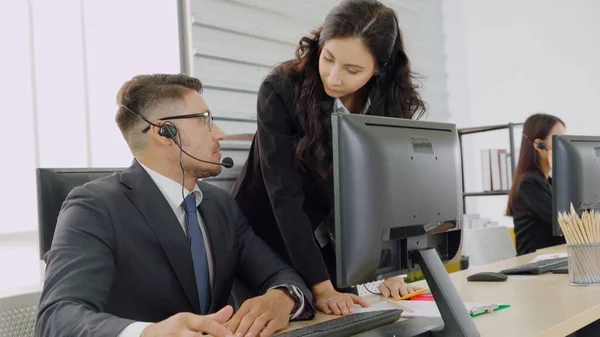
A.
x: 150, y: 251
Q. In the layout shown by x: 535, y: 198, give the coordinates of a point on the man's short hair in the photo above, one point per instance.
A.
x: 142, y: 94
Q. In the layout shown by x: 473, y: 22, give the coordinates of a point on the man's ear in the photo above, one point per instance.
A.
x: 154, y: 132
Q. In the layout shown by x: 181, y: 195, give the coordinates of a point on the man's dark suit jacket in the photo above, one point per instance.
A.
x: 119, y: 255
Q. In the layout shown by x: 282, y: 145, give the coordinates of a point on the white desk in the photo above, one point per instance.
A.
x: 544, y: 305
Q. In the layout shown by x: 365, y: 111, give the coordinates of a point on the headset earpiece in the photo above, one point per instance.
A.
x: 168, y: 130
x: 542, y: 146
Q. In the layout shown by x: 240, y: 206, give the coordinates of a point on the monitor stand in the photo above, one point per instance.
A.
x: 455, y: 322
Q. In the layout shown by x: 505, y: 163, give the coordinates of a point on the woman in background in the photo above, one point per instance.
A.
x: 354, y: 63
x: 530, y: 198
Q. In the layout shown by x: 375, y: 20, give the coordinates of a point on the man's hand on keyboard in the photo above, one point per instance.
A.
x: 187, y: 324
x: 263, y: 315
x: 395, y: 287
x: 329, y: 301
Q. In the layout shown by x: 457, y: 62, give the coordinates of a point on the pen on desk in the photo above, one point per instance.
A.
x: 483, y: 309
x: 413, y: 294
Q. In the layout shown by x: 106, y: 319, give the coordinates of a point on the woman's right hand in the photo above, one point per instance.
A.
x: 330, y: 301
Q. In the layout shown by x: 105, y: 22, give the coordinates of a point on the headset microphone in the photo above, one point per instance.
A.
x: 227, y: 162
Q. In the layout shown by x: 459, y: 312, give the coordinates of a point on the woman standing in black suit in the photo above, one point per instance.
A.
x: 354, y: 63
x: 530, y: 198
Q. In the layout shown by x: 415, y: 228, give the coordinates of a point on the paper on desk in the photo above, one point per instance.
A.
x: 414, y: 308
x: 521, y: 277
x: 385, y: 305
x: 548, y: 256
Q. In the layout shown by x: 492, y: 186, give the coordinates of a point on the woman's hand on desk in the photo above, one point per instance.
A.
x: 330, y: 301
x: 395, y: 287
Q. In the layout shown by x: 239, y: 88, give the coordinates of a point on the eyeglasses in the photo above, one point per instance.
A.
x: 208, y: 119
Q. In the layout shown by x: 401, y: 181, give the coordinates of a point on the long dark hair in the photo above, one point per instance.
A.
x: 537, y: 126
x: 392, y: 92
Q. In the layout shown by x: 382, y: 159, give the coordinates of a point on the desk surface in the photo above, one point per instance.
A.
x: 541, y: 305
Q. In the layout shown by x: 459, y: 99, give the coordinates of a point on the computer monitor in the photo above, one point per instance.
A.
x: 398, y: 205
x: 575, y: 175
x: 397, y: 186
x: 53, y: 186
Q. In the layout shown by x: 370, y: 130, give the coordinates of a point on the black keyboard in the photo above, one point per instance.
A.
x: 347, y: 325
x: 413, y: 327
x: 536, y: 268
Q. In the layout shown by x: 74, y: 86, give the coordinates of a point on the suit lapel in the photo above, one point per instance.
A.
x: 146, y: 196
x: 214, y: 224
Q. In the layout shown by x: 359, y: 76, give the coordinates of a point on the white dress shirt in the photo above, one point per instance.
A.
x: 172, y: 192
x: 338, y: 106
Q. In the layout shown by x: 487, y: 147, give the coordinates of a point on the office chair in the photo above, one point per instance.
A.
x: 53, y: 186
x: 487, y: 245
x: 18, y: 314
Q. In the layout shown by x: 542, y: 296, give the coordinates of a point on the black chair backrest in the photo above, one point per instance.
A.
x: 53, y: 186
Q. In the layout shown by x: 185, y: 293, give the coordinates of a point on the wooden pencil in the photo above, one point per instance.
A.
x: 583, y: 231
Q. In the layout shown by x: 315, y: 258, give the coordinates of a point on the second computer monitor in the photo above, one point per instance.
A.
x: 397, y: 187
x: 575, y: 175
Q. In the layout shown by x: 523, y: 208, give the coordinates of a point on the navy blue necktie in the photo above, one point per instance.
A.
x: 198, y: 248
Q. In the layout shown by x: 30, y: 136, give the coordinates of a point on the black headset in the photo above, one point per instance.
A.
x: 168, y: 130
x: 541, y: 145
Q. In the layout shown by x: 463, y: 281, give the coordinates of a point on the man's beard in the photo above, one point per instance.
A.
x: 194, y: 168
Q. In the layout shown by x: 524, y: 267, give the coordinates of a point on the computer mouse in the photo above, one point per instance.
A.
x: 487, y: 276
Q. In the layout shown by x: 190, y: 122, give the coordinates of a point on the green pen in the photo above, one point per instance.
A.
x: 478, y: 311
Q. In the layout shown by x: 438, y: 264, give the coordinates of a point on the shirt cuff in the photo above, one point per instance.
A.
x: 298, y: 298
x: 134, y: 329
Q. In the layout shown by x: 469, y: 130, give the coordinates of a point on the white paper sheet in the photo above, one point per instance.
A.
x: 548, y: 256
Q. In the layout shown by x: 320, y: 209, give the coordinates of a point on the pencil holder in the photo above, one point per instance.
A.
x: 584, y: 264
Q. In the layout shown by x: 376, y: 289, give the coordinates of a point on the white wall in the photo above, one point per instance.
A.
x: 534, y: 55
x: 62, y: 67
x: 524, y: 56
x: 18, y: 155
x: 455, y: 46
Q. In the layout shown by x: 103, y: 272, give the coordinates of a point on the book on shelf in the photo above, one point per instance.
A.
x: 496, y: 170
